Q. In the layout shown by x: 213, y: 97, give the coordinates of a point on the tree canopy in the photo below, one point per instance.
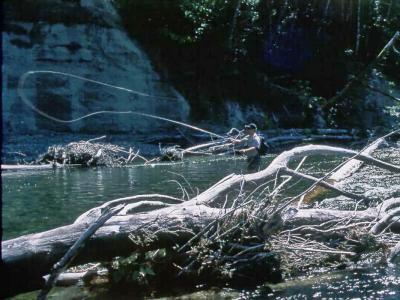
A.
x: 276, y: 54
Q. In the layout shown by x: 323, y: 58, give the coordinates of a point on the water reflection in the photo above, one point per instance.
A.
x: 37, y: 201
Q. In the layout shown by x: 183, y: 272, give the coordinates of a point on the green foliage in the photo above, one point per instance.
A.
x: 138, y: 268
x: 214, y: 50
x: 201, y: 14
x: 367, y: 243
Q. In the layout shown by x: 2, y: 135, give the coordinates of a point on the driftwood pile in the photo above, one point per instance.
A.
x: 275, y: 140
x: 238, y: 231
x: 90, y: 153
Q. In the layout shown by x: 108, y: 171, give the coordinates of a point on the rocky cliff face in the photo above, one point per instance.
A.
x: 84, y: 38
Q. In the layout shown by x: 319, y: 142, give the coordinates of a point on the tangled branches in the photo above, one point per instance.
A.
x: 233, y: 249
x: 90, y: 153
x: 244, y: 245
x: 172, y: 153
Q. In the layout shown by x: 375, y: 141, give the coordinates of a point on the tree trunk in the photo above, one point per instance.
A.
x: 28, y: 258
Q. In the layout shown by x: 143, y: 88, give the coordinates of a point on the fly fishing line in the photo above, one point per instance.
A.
x: 25, y: 99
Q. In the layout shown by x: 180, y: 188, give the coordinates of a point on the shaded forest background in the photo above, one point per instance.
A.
x: 289, y: 57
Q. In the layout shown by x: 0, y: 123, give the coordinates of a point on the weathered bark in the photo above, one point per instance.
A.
x: 28, y: 258
x: 392, y: 217
x: 319, y: 216
x: 346, y: 170
x: 37, y: 167
x: 68, y: 258
x: 232, y: 182
x: 140, y: 201
x: 68, y: 279
x: 27, y: 167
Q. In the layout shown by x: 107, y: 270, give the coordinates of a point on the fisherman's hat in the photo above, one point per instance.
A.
x: 250, y: 126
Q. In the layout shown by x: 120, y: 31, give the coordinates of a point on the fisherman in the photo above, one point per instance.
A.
x: 252, y: 142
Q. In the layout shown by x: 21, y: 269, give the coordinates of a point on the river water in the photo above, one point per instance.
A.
x: 35, y: 201
x: 41, y: 200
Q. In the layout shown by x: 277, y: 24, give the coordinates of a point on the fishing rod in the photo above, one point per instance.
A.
x: 25, y: 99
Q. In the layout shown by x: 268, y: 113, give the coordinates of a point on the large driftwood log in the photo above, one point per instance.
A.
x: 27, y: 167
x: 67, y: 259
x: 345, y: 170
x: 232, y: 182
x: 28, y: 258
x: 319, y: 216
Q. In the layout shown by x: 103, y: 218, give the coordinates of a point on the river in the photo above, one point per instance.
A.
x: 38, y: 201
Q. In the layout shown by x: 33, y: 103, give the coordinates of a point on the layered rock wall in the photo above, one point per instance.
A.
x: 84, y: 38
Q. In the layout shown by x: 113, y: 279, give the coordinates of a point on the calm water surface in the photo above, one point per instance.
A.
x: 41, y: 200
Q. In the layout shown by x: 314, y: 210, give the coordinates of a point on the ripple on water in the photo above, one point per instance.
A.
x: 370, y: 283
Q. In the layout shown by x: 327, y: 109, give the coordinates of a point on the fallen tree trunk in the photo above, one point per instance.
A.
x: 68, y: 279
x: 27, y: 167
x: 37, y: 167
x: 232, y: 182
x: 67, y: 259
x: 320, y: 216
x: 28, y: 258
x: 346, y: 170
